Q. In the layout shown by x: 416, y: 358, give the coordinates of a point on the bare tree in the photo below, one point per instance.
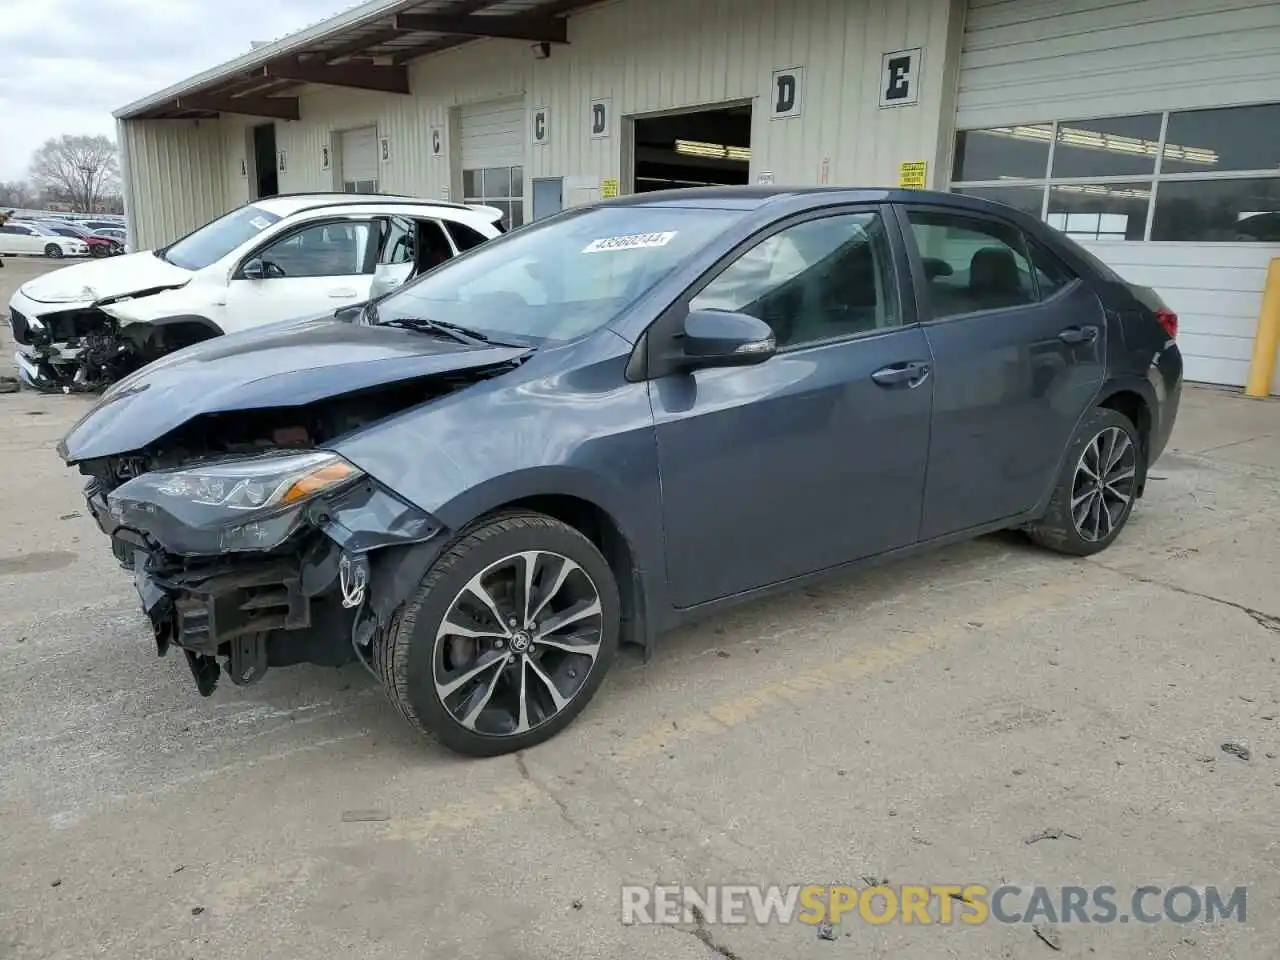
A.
x: 16, y: 193
x: 84, y: 170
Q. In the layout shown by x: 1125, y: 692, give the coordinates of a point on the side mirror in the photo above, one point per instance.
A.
x: 254, y: 269
x: 715, y: 338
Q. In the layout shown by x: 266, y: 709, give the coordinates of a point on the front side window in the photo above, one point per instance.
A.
x: 818, y: 280
x: 559, y: 279
x: 216, y: 239
x: 970, y: 263
x: 334, y: 249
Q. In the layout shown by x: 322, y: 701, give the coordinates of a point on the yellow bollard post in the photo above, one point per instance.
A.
x: 1267, y: 337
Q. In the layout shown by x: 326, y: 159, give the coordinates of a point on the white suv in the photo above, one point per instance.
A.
x: 81, y: 327
x: 19, y: 237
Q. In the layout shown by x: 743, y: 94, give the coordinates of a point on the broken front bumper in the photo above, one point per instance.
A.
x: 304, y: 601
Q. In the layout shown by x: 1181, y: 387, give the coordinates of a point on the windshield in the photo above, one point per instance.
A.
x: 43, y: 230
x: 216, y: 239
x: 562, y: 278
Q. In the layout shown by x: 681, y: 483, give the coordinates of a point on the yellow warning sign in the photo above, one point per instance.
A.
x: 912, y: 173
x: 609, y: 188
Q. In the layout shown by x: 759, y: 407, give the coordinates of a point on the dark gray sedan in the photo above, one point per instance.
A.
x: 599, y: 425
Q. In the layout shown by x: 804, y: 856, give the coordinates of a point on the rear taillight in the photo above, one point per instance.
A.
x: 1169, y: 320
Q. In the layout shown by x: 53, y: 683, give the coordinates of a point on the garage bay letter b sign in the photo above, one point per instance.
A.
x: 787, y: 93
x: 899, y: 78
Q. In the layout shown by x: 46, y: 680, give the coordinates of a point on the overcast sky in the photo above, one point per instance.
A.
x: 66, y: 64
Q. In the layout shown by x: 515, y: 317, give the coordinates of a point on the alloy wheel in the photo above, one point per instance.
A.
x: 1103, y: 486
x: 517, y: 643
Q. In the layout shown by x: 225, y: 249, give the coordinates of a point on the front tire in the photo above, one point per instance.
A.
x: 507, y: 639
x: 53, y: 251
x: 1096, y: 491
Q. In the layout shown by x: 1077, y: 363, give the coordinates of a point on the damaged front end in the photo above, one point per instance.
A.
x: 87, y: 347
x: 259, y: 561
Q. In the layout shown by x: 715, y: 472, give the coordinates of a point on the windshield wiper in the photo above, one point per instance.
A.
x: 472, y: 338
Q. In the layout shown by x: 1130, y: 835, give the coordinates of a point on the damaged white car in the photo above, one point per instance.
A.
x: 86, y: 326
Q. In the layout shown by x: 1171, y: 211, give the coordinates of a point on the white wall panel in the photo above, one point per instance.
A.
x: 1216, y: 291
x: 177, y: 177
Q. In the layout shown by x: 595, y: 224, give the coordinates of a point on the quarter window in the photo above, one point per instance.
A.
x: 970, y: 264
x: 818, y: 280
x: 323, y: 250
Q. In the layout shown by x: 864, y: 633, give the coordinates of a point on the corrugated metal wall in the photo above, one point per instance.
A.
x: 176, y: 178
x: 1030, y: 60
x: 646, y: 56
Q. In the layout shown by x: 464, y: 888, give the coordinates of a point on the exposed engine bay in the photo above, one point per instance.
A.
x: 253, y: 546
x: 84, y: 349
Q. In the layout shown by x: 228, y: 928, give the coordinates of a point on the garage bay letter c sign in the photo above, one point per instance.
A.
x: 900, y: 78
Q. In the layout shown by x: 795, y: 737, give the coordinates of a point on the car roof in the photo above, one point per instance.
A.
x: 286, y: 205
x: 793, y: 198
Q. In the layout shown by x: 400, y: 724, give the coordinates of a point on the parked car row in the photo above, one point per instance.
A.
x: 56, y: 238
x: 479, y: 482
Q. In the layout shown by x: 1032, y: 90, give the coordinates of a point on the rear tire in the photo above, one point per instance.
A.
x: 1097, y: 488
x: 53, y: 251
x: 484, y: 684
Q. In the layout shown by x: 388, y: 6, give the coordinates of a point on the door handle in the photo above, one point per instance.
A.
x: 342, y: 292
x: 1078, y: 334
x: 911, y: 372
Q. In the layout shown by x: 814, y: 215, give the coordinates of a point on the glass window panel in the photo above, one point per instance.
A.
x: 1218, y: 210
x: 1114, y: 147
x: 517, y: 213
x: 1027, y: 199
x: 517, y: 181
x: 1113, y: 211
x: 1237, y: 138
x: 505, y: 207
x: 471, y: 183
x: 970, y: 264
x: 1019, y: 152
x: 497, y: 182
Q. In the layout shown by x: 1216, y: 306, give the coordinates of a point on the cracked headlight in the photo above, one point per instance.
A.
x: 250, y: 504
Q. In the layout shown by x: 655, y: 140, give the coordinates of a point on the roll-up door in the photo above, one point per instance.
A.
x: 358, y: 154
x: 492, y: 140
x: 1135, y: 129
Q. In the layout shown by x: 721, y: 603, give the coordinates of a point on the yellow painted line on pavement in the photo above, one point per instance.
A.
x: 735, y: 711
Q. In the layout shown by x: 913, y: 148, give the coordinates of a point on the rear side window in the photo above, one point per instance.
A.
x: 971, y: 263
x: 1052, y: 274
x: 464, y: 238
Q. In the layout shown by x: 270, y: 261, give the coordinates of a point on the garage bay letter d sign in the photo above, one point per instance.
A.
x: 787, y: 93
x: 899, y: 78
x: 600, y: 119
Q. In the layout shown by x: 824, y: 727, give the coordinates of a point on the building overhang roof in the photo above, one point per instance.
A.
x: 366, y: 47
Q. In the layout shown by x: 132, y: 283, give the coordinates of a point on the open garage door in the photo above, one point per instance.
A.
x: 492, y: 143
x: 358, y: 154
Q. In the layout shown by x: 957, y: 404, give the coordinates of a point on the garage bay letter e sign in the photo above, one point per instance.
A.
x: 900, y: 78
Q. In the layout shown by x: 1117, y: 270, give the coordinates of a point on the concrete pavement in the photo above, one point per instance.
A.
x: 918, y: 724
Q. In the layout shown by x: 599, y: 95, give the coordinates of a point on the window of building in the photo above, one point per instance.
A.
x: 816, y: 281
x: 500, y: 187
x: 970, y: 263
x: 1198, y: 176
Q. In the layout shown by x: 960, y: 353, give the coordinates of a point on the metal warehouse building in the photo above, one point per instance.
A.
x: 1148, y: 129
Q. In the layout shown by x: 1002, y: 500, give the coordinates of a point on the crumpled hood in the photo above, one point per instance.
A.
x: 98, y: 279
x: 279, y: 365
